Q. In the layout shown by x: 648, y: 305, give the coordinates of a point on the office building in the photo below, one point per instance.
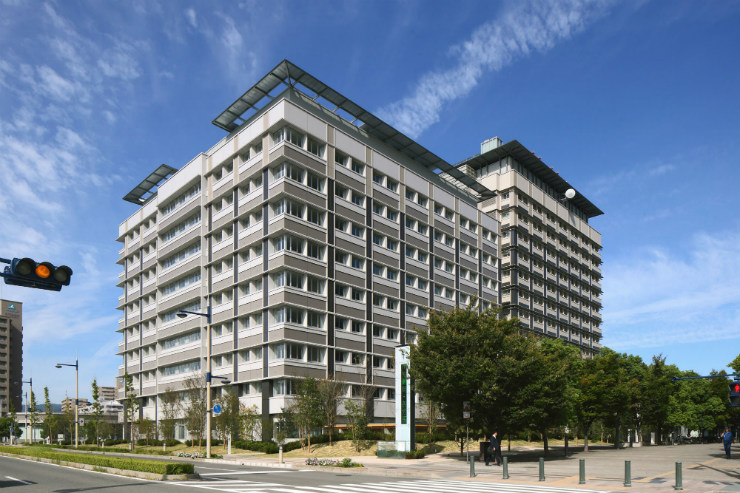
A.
x: 106, y: 394
x: 11, y: 355
x: 550, y: 254
x: 319, y: 236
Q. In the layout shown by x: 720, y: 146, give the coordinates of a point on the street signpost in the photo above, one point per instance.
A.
x: 466, y: 416
x: 217, y: 409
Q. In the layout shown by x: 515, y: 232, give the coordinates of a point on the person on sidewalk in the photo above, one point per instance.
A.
x: 494, y: 449
x: 727, y: 441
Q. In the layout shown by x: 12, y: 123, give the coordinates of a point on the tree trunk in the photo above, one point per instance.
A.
x: 544, y: 440
x: 616, y: 434
x: 586, y: 428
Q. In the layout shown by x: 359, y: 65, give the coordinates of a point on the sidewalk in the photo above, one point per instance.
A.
x: 705, y: 468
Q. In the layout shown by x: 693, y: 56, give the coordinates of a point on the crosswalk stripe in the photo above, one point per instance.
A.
x: 405, y: 486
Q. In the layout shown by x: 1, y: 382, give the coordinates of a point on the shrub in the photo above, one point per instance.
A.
x: 415, y: 454
x: 103, y: 461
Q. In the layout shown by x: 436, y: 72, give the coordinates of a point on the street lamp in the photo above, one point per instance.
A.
x: 77, y: 396
x: 183, y: 314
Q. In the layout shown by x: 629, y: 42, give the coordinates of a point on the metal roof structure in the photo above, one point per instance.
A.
x: 527, y: 158
x: 286, y: 74
x: 136, y: 196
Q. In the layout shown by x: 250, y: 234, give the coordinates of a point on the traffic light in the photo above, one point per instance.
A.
x: 40, y: 275
x: 735, y: 393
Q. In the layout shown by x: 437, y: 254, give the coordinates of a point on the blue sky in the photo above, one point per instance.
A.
x: 636, y: 104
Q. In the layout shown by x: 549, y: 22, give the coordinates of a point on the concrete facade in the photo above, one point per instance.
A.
x: 11, y: 355
x: 550, y: 255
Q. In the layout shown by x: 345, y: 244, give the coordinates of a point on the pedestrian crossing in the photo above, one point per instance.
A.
x: 405, y: 486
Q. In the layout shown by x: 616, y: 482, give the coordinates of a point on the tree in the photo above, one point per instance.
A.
x: 195, y: 407
x: 359, y: 412
x: 657, y: 389
x: 14, y: 421
x: 430, y: 413
x: 330, y: 393
x: 467, y: 356
x: 49, y: 419
x: 132, y: 406
x: 228, y: 422
x: 69, y: 419
x: 546, y: 400
x: 97, y: 410
x: 146, y: 427
x: 307, y: 409
x: 33, y: 415
x: 169, y: 408
x: 249, y: 421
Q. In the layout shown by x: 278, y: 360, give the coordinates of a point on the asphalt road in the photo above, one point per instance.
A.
x: 18, y: 475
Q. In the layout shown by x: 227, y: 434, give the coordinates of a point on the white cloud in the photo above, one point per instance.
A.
x: 192, y: 18
x: 656, y: 296
x: 535, y: 25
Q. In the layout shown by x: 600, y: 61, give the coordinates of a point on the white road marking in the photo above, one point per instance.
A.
x: 19, y: 480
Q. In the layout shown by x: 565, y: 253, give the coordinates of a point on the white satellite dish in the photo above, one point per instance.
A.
x: 570, y: 193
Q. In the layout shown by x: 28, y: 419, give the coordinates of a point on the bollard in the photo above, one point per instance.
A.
x: 581, y: 471
x: 280, y: 454
x: 506, y: 468
x: 679, y: 477
x: 627, y: 473
x: 472, y: 468
x: 542, y: 469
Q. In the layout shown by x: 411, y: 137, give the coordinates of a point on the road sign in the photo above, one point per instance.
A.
x: 82, y: 421
x: 217, y: 409
x: 466, y: 409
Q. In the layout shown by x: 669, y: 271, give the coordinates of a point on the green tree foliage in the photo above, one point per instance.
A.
x: 195, y: 406
x: 657, y: 388
x: 249, y: 421
x: 359, y: 412
x: 307, y: 410
x: 146, y: 427
x: 49, y: 418
x: 478, y: 358
x: 131, y: 406
x: 228, y: 423
x: 169, y: 407
x: 97, y: 408
x: 330, y: 393
x: 545, y: 399
x: 33, y: 415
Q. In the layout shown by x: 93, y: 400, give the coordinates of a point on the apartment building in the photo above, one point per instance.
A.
x: 318, y: 235
x: 11, y: 355
x: 550, y: 255
x: 106, y: 394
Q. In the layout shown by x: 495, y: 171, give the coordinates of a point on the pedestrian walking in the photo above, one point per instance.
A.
x: 494, y: 450
x: 727, y: 441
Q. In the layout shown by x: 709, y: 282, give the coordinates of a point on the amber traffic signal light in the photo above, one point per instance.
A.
x: 40, y: 275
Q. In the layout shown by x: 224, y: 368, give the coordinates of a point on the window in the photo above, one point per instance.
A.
x: 314, y: 354
x: 314, y: 285
x: 357, y: 262
x: 340, y: 290
x: 377, y: 239
x: 391, y: 274
x: 358, y: 327
x: 314, y: 181
x: 378, y: 331
x: 341, y: 257
x: 391, y: 185
x: 358, y: 199
x: 377, y: 270
x: 341, y: 158
x: 358, y: 167
x: 313, y: 319
x: 391, y: 244
x: 358, y: 359
x: 314, y: 216
x: 315, y: 147
x: 357, y: 230
x: 340, y: 323
x: 377, y: 209
x: 340, y: 356
x: 358, y: 294
x: 314, y: 250
x: 377, y: 178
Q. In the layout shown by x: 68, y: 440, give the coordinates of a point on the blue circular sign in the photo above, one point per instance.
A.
x: 217, y: 409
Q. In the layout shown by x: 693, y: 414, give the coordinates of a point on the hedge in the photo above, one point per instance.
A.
x: 152, y: 466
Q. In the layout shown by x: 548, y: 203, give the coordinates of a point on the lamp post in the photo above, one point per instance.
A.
x: 183, y: 314
x: 77, y: 396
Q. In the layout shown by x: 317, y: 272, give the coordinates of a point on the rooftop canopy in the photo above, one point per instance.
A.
x: 526, y: 158
x: 136, y: 196
x: 286, y: 74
